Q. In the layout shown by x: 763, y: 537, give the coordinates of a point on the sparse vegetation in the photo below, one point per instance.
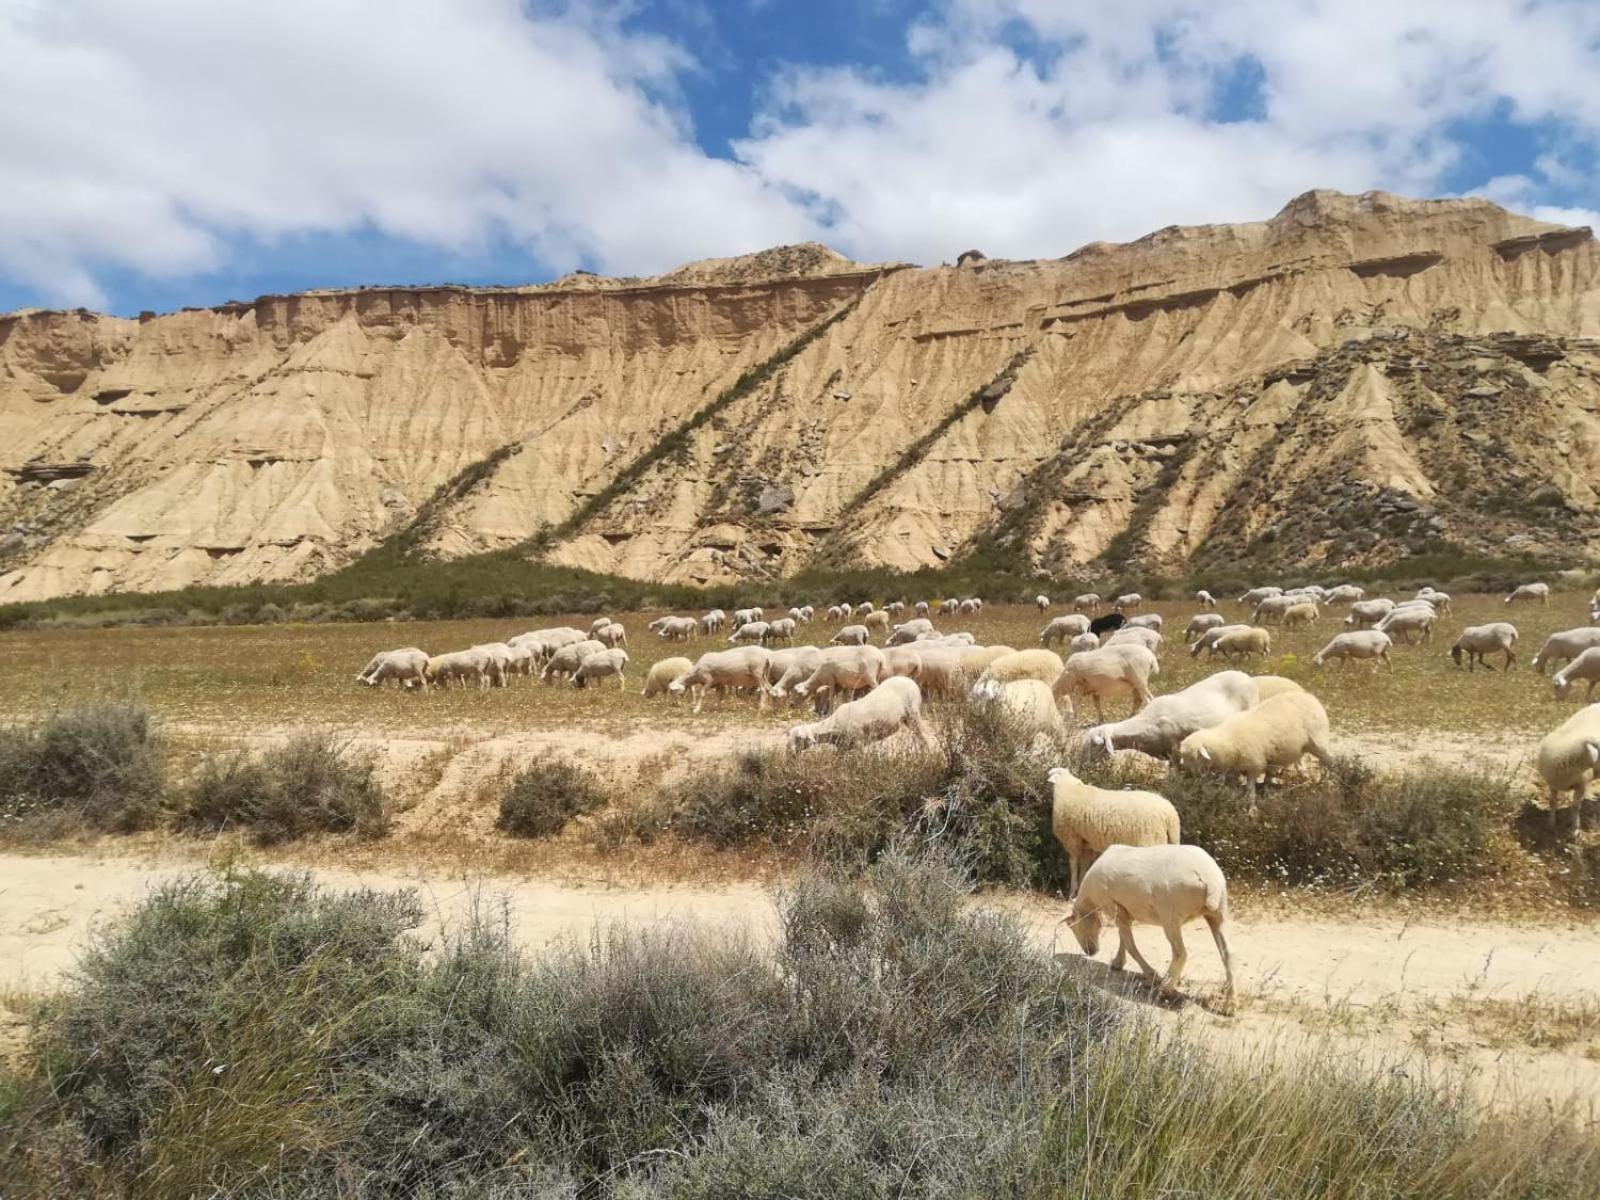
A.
x: 546, y: 794
x: 96, y: 764
x: 256, y: 1034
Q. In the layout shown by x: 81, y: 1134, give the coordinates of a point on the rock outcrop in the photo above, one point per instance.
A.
x: 1357, y: 379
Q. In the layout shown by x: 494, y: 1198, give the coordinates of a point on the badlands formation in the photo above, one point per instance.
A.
x: 1358, y: 378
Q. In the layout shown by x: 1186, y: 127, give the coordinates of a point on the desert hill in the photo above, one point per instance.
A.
x: 1357, y: 379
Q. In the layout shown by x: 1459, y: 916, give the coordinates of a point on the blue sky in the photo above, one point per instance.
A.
x: 182, y: 152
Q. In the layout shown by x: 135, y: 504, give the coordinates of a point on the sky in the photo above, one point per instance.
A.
x: 162, y: 153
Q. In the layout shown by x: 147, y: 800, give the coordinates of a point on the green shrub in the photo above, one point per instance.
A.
x: 98, y: 763
x: 309, y: 784
x: 546, y: 794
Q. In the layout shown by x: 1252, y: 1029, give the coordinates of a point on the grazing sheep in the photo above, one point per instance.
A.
x: 894, y: 607
x: 713, y: 622
x: 408, y: 665
x: 939, y: 674
x: 1090, y: 602
x: 1241, y: 643
x: 903, y: 660
x: 1567, y: 758
x: 1565, y: 646
x: 1060, y: 629
x: 1527, y: 593
x: 1409, y: 624
x: 675, y: 629
x: 785, y: 668
x: 545, y: 642
x: 1101, y: 626
x: 781, y: 630
x: 1137, y: 635
x: 1364, y: 614
x: 602, y: 665
x: 461, y: 666
x: 1041, y: 602
x: 1257, y: 594
x: 950, y: 605
x: 1274, y: 735
x: 1583, y: 669
x: 863, y: 608
x: 808, y: 614
x: 1345, y: 593
x: 1356, y: 646
x: 611, y: 635
x: 946, y: 639
x: 1268, y: 686
x: 909, y: 632
x: 1298, y: 616
x: 1147, y: 621
x: 1081, y: 642
x: 504, y: 660
x: 797, y: 615
x: 1439, y: 600
x: 1127, y: 602
x: 1086, y: 820
x: 1271, y: 609
x: 975, y: 660
x: 1160, y: 727
x: 663, y: 673
x: 895, y: 704
x: 1167, y: 886
x: 727, y: 670
x: 877, y: 623
x: 1201, y: 622
x: 1206, y: 639
x: 564, y: 663
x: 1029, y: 702
x: 969, y: 607
x: 1107, y: 672
x: 1497, y: 637
x: 749, y: 631
x: 922, y: 608
x: 850, y: 635
x: 598, y: 624
x: 744, y: 616
x: 1042, y: 665
x: 1205, y: 599
x: 844, y: 672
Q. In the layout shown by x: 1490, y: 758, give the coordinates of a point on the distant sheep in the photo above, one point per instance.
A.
x: 611, y: 635
x: 1498, y: 637
x: 1528, y: 593
x: 1257, y: 594
x: 1410, y: 625
x: 749, y: 632
x: 908, y: 632
x: 1364, y: 614
x: 674, y: 629
x: 895, y: 704
x: 463, y: 666
x: 662, y: 673
x: 1299, y: 616
x: 1087, y: 820
x: 1207, y: 639
x: 1040, y: 664
x: 1147, y: 621
x: 1041, y: 602
x: 1059, y: 629
x: 1242, y: 643
x: 1090, y: 602
x: 1127, y: 602
x: 564, y: 663
x: 877, y: 623
x: 603, y: 664
x: 713, y: 621
x: 1359, y: 645
x: 1138, y: 635
x: 407, y: 666
x: 1205, y: 599
x: 851, y: 635
x: 1201, y: 622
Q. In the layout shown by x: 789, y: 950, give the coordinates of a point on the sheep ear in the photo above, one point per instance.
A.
x: 1205, y: 754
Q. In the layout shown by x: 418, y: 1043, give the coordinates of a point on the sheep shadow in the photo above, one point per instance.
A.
x: 1533, y: 828
x: 1132, y: 985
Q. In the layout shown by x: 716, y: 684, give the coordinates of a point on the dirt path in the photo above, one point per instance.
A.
x: 1428, y: 997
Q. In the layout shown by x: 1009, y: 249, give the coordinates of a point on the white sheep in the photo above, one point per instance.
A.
x: 1137, y: 635
x: 1356, y: 646
x: 1583, y: 669
x: 1439, y: 600
x: 662, y: 673
x: 504, y: 660
x: 903, y: 660
x: 1567, y: 758
x: 727, y: 670
x: 1160, y: 727
x: 975, y: 660
x: 1566, y: 646
x: 598, y: 624
x: 1059, y: 629
x: 1406, y: 624
x: 1274, y: 735
x: 1087, y: 819
x: 808, y: 614
x: 1208, y: 637
x: 1029, y: 702
x: 1270, y: 610
x: 950, y: 605
x: 713, y: 622
x: 565, y: 662
x: 969, y: 607
x: 407, y: 665
x: 877, y: 623
x: 909, y: 631
x: 1345, y: 593
x: 939, y: 674
x: 674, y: 629
x: 1201, y: 622
x: 1497, y: 637
x: 836, y: 613
x: 1364, y: 614
x: 1167, y: 886
x: 1041, y: 602
x: 1090, y: 602
x: 893, y: 705
x: 785, y: 668
x: 1268, y: 686
x: 850, y: 635
x: 603, y: 664
x: 1127, y: 602
x: 1257, y: 594
x: 612, y: 635
x: 946, y: 639
x: 922, y: 608
x: 1527, y: 593
x: 844, y: 671
x: 1241, y: 643
x: 1146, y: 621
x: 461, y: 666
x: 1205, y: 599
x: 744, y: 616
x: 1298, y: 616
x: 781, y: 630
x: 1107, y: 672
x: 749, y: 631
x: 545, y: 642
x: 1043, y: 665
x: 1081, y: 642
x: 864, y: 608
x: 895, y: 607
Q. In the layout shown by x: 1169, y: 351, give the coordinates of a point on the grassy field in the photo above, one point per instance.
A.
x: 244, y: 678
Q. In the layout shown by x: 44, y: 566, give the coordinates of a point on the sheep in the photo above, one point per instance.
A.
x: 1585, y: 668
x: 781, y: 630
x: 1082, y: 642
x: 1402, y: 623
x: 545, y: 642
x: 1106, y: 624
x: 1497, y: 637
x: 566, y: 661
x: 1136, y: 635
x: 1042, y: 665
x: 745, y: 616
x: 1127, y: 602
x: 663, y: 673
x: 1300, y: 615
x: 969, y: 607
x: 1029, y: 702
x: 612, y: 635
x: 504, y: 660
x: 975, y: 660
x: 865, y: 607
x: 1369, y: 645
x: 850, y: 635
x: 903, y: 660
x: 674, y: 629
x: 908, y: 632
x: 788, y: 667
x: 1147, y: 621
x: 1345, y: 593
x: 877, y: 623
x: 1153, y: 885
x: 946, y: 639
x: 602, y: 665
x: 1205, y: 599
x: 1529, y: 592
x: 408, y: 665
x: 1160, y: 727
x: 894, y: 607
x: 1201, y: 622
x: 461, y: 666
x: 1242, y: 643
x: 808, y: 614
x: 1257, y: 594
x: 1087, y: 820
x: 976, y: 603
x: 1206, y: 639
x: 1090, y: 602
x: 1275, y: 734
x: 1107, y: 672
x: 713, y: 622
x: 1364, y: 614
x: 598, y: 624
x: 1268, y: 686
x: 1271, y: 609
x: 745, y: 667
x: 797, y: 615
x: 848, y: 669
x: 1565, y: 646
x: 950, y: 605
x: 835, y: 614
x: 1439, y: 600
x: 749, y: 631
x: 1061, y: 628
x: 922, y: 608
x: 895, y: 704
x: 1566, y: 759
x: 1041, y: 602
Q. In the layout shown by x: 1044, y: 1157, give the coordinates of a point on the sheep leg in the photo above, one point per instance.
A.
x: 926, y: 734
x: 1180, y: 957
x: 1126, y: 945
x: 1511, y: 658
x: 1214, y: 920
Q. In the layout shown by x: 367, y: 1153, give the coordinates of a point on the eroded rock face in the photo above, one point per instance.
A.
x: 1353, y: 380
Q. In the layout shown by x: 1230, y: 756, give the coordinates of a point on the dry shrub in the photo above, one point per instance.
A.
x: 311, y: 783
x: 97, y: 763
x: 546, y: 794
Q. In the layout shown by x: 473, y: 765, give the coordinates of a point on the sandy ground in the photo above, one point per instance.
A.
x: 1426, y: 996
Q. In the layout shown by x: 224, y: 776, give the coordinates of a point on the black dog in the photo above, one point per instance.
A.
x: 1106, y: 623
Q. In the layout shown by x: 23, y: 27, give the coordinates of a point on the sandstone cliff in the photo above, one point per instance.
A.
x: 1356, y: 379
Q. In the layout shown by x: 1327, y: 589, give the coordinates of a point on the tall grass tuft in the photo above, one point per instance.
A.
x: 98, y: 764
x: 546, y: 794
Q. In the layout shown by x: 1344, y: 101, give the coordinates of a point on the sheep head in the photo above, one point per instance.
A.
x: 1085, y: 924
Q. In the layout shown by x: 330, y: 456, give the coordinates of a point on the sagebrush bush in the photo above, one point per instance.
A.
x: 309, y: 784
x: 548, y: 793
x: 98, y: 763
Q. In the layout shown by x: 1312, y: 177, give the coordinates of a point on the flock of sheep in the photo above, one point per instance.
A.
x: 1125, y: 859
